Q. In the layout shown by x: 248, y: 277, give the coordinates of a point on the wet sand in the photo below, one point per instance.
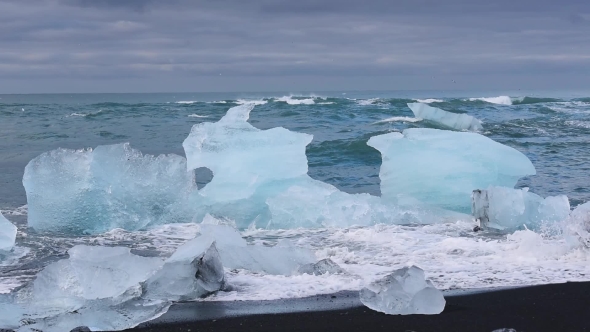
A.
x: 555, y: 308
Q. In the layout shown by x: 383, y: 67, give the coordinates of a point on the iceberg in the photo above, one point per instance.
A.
x: 504, y: 208
x: 242, y: 157
x: 442, y: 168
x: 7, y: 234
x: 447, y: 119
x: 404, y: 292
x: 112, y: 186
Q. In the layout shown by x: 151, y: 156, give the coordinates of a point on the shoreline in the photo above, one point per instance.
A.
x: 553, y: 307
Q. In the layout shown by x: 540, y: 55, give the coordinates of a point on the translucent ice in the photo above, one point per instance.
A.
x: 577, y: 226
x: 193, y: 271
x: 112, y: 186
x: 442, y: 168
x: 242, y: 157
x: 7, y: 234
x: 90, y: 273
x: 404, y: 292
x: 508, y: 209
x: 235, y: 253
x: 322, y: 267
x: 447, y: 119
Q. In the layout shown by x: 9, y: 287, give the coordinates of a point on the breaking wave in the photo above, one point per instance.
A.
x: 501, y: 100
x: 399, y: 119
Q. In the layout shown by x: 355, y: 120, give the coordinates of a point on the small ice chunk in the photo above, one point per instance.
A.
x: 447, y: 119
x: 235, y: 253
x: 577, y: 226
x: 322, y: 267
x: 112, y: 186
x: 504, y: 208
x: 441, y: 168
x: 7, y: 234
x: 404, y: 292
x: 242, y: 157
x: 193, y: 271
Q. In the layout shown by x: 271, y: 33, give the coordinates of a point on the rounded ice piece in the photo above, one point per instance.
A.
x: 7, y: 234
x: 447, y: 119
x: 442, y: 168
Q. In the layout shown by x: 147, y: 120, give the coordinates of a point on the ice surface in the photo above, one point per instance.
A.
x: 442, y: 168
x: 404, y: 292
x: 322, y: 267
x: 112, y: 186
x: 235, y: 253
x: 448, y: 119
x: 193, y: 271
x: 7, y: 234
x: 509, y: 209
x: 242, y: 157
x: 90, y: 273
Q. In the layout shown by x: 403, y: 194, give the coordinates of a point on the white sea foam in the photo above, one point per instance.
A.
x: 19, y: 211
x: 217, y: 102
x: 399, y: 119
x: 292, y: 100
x: 251, y: 101
x: 429, y: 100
x: 187, y: 102
x: 366, y: 102
x: 77, y: 114
x: 327, y: 103
x: 197, y: 116
x: 579, y: 123
x: 501, y: 100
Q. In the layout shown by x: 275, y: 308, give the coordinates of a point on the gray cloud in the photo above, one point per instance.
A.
x: 182, y: 45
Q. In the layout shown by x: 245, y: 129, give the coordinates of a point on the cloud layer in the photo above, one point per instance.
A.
x: 225, y: 45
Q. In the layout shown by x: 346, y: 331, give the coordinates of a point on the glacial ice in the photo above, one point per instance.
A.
x: 112, y: 186
x: 242, y: 157
x: 404, y: 292
x: 7, y: 234
x: 508, y: 209
x: 235, y: 253
x: 447, y: 119
x: 576, y: 227
x: 322, y: 267
x: 442, y: 168
x: 194, y: 270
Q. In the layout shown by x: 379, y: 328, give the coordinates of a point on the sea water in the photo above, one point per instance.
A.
x: 552, y: 130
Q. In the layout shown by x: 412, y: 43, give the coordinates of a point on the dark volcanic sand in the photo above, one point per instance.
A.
x: 555, y: 308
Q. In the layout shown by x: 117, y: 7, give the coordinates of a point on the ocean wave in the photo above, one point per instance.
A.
x: 500, y: 100
x: 367, y: 102
x: 533, y: 100
x: 327, y: 103
x: 76, y: 114
x: 251, y: 101
x: 578, y: 123
x: 197, y: 116
x: 291, y: 100
x: 19, y: 211
x: 399, y: 119
x: 217, y: 102
x: 429, y: 100
x: 186, y: 102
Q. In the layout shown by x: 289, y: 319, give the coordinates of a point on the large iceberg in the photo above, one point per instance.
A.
x: 7, y: 234
x: 447, y: 119
x: 112, y: 186
x: 508, y: 209
x: 404, y: 292
x: 242, y: 157
x: 442, y: 168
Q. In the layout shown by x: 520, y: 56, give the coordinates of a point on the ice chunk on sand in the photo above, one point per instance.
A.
x: 322, y: 267
x: 112, y: 186
x: 447, y: 119
x: 90, y: 273
x: 194, y: 270
x: 235, y: 253
x: 243, y: 157
x: 404, y: 292
x: 504, y: 208
x: 442, y: 168
x: 7, y: 234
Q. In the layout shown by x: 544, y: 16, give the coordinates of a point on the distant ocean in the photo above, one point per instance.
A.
x: 553, y: 131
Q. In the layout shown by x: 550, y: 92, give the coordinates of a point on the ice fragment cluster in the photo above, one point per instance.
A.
x: 404, y: 292
x: 7, y: 234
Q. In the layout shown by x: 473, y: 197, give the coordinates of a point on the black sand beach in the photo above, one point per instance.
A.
x: 555, y: 308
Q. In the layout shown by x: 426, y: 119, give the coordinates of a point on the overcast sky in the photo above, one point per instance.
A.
x: 292, y: 45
